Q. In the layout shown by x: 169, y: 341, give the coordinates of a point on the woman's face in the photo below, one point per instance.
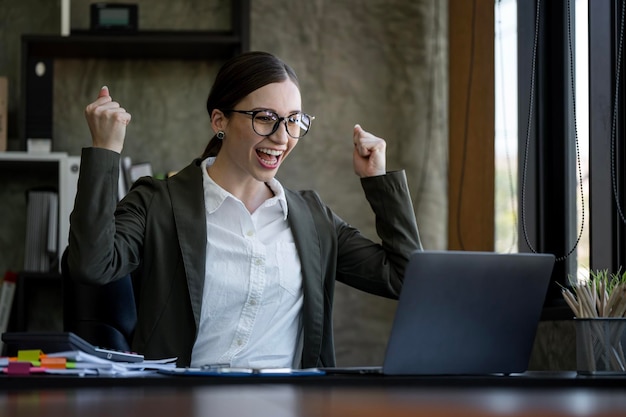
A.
x: 250, y: 154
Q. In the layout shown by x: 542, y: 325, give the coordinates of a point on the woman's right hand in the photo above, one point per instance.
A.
x: 107, y: 122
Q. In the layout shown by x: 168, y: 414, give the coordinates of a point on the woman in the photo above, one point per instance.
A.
x: 233, y: 268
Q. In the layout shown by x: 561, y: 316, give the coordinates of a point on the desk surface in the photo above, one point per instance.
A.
x: 543, y: 394
x: 526, y: 380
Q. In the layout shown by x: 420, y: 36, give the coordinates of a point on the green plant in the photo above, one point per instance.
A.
x: 602, y: 295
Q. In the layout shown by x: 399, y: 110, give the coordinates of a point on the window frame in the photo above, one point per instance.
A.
x: 550, y: 193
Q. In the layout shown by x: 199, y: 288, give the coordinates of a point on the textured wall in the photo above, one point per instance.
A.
x: 380, y: 63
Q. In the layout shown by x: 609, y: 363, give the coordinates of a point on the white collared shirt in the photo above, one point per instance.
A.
x: 252, y: 298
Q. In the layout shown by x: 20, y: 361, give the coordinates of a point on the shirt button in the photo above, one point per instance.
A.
x: 239, y: 342
x: 250, y: 233
x: 258, y: 261
x: 253, y: 302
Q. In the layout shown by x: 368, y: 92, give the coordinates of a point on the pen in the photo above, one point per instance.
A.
x: 214, y: 366
x: 225, y: 368
x: 235, y: 371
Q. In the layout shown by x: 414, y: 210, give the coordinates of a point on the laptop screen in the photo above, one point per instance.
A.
x: 464, y: 312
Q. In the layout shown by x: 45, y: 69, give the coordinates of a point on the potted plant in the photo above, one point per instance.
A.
x: 599, y: 306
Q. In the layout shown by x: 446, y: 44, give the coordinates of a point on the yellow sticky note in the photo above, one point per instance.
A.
x: 31, y: 356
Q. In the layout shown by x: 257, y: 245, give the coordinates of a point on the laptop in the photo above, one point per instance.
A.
x: 465, y: 313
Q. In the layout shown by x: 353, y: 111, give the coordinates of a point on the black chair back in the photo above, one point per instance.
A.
x: 103, y: 315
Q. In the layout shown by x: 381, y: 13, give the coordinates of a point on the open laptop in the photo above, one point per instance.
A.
x: 466, y: 313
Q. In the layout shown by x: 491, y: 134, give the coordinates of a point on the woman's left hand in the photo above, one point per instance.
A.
x: 369, y: 153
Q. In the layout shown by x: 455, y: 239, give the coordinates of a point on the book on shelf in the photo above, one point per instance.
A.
x: 131, y: 172
x: 121, y: 183
x: 42, y: 225
x: 140, y: 169
x: 7, y: 292
x: 4, y: 105
x: 124, y: 181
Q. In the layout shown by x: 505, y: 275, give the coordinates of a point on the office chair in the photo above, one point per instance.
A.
x: 103, y: 315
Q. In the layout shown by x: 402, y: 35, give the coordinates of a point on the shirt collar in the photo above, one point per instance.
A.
x: 214, y: 195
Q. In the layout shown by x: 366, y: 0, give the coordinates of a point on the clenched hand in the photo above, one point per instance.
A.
x: 107, y: 122
x: 369, y: 153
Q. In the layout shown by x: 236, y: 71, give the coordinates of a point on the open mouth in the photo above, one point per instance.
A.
x: 269, y: 157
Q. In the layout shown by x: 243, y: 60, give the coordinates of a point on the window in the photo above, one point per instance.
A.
x: 542, y: 191
x: 505, y: 52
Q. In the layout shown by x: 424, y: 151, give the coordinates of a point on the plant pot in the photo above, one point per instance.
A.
x: 600, y: 344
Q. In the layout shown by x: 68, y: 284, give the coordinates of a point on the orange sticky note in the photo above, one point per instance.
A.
x: 53, y: 363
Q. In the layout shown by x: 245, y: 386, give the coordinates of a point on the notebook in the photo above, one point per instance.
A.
x: 466, y: 313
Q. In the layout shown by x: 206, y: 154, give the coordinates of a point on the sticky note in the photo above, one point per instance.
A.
x: 31, y: 356
x: 18, y: 368
x: 53, y: 363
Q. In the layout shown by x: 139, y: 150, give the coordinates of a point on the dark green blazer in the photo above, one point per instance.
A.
x: 158, y: 233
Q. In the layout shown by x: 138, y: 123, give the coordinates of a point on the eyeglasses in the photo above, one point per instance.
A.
x: 265, y: 122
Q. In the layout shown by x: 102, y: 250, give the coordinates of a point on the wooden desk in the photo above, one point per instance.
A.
x: 312, y: 397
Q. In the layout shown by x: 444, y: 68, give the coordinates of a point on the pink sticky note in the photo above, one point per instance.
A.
x: 18, y: 368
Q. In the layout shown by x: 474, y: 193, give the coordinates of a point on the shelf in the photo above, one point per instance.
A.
x: 58, y: 167
x: 20, y: 162
x: 40, y: 51
x: 184, y: 45
x: 31, y: 156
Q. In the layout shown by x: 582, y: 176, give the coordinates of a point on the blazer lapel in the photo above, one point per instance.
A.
x: 308, y: 244
x: 187, y: 198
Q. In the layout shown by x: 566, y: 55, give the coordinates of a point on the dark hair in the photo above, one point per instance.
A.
x: 240, y: 76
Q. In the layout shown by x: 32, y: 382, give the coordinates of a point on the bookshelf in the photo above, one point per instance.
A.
x: 40, y: 51
x: 56, y: 168
x: 35, y: 115
x: 21, y: 170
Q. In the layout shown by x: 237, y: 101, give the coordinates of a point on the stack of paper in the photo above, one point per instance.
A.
x: 77, y: 362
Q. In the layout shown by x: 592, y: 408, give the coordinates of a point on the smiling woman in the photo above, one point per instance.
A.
x: 234, y: 268
x: 248, y: 159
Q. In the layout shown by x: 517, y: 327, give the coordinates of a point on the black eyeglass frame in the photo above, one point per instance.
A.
x: 253, y: 113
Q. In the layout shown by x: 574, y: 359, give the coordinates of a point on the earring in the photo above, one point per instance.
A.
x: 220, y: 135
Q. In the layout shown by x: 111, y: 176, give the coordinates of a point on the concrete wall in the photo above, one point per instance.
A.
x: 380, y: 63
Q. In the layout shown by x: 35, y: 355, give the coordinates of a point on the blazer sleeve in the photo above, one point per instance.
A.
x: 105, y: 240
x: 378, y: 268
